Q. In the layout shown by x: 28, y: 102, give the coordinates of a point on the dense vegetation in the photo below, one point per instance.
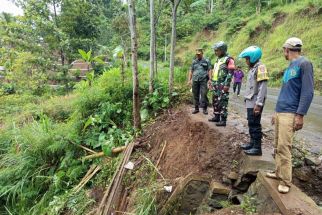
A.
x: 42, y: 128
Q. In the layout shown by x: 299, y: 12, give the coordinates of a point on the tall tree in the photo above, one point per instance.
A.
x: 134, y: 50
x: 174, y: 6
x: 152, y: 46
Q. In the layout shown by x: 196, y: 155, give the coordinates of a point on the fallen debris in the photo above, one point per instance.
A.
x: 89, y: 175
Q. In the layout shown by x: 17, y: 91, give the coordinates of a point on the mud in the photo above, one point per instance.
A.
x: 192, y: 147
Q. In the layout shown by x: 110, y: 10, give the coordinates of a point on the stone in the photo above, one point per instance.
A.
x: 215, y: 201
x: 218, y: 188
x: 319, y: 172
x: 266, y: 130
x: 303, y: 173
x: 233, y: 175
x: 312, y: 161
x: 253, y: 164
x: 243, y: 182
x: 187, y: 196
x: 226, y: 180
x: 315, y: 150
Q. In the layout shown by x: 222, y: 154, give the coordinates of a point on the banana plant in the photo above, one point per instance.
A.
x: 89, y: 59
x: 118, y: 54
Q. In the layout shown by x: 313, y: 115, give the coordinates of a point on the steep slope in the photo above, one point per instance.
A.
x: 269, y: 30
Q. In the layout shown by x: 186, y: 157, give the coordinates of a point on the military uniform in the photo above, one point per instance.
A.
x: 221, y: 77
x: 199, y: 69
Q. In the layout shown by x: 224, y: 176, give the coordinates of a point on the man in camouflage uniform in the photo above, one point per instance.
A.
x: 219, y: 83
x: 198, y: 78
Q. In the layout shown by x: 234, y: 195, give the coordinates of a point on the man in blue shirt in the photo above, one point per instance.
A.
x: 292, y: 104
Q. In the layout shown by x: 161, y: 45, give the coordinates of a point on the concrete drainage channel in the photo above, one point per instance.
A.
x: 196, y: 194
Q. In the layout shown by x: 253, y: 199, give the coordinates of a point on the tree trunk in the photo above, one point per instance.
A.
x: 122, y: 70
x: 62, y: 57
x: 152, y: 46
x: 175, y: 4
x: 155, y: 56
x: 134, y: 47
x: 165, y: 48
x: 211, y: 6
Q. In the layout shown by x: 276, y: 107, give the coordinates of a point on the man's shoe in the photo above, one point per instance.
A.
x: 221, y: 123
x: 271, y: 175
x: 283, y: 189
x: 247, y: 146
x: 195, y: 111
x: 216, y: 118
x: 205, y: 111
x: 253, y: 152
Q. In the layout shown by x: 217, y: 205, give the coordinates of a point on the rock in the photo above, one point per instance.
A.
x: 226, y: 180
x: 233, y: 175
x: 315, y: 150
x: 304, y: 173
x: 253, y: 164
x: 215, y: 201
x: 312, y: 161
x: 243, y: 182
x: 187, y: 196
x: 266, y: 130
x: 218, y: 188
x: 319, y: 172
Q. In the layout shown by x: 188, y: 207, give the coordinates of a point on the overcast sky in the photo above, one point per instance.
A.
x: 9, y: 7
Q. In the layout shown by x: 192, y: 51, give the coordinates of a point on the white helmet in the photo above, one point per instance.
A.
x: 293, y: 43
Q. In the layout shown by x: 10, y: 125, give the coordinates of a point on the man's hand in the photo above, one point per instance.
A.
x: 273, y: 120
x: 298, y: 122
x: 257, y: 110
x: 226, y: 89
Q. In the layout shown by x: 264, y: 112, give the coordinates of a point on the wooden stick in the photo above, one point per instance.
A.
x: 96, y: 155
x: 160, y: 157
x: 87, y: 149
x: 89, y: 177
x: 101, y: 154
x: 83, y: 147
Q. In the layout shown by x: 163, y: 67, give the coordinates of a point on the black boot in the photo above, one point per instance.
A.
x: 222, y: 122
x: 205, y: 111
x: 196, y: 110
x: 247, y: 146
x: 216, y: 118
x: 256, y: 150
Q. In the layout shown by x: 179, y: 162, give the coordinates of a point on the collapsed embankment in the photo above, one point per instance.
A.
x: 203, y: 165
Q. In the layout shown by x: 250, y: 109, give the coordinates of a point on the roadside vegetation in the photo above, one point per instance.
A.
x: 51, y: 118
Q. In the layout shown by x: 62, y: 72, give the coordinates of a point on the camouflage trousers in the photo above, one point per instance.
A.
x: 220, y: 103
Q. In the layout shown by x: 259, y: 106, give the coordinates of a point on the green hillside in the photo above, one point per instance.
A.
x: 268, y: 29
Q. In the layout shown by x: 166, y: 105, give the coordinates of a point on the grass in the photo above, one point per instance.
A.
x: 302, y: 20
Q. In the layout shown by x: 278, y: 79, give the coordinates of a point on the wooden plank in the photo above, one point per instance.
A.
x: 109, y: 199
x: 294, y: 202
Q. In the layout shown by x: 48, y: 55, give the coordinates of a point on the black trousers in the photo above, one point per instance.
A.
x: 238, y: 86
x: 254, y: 125
x: 200, y: 91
